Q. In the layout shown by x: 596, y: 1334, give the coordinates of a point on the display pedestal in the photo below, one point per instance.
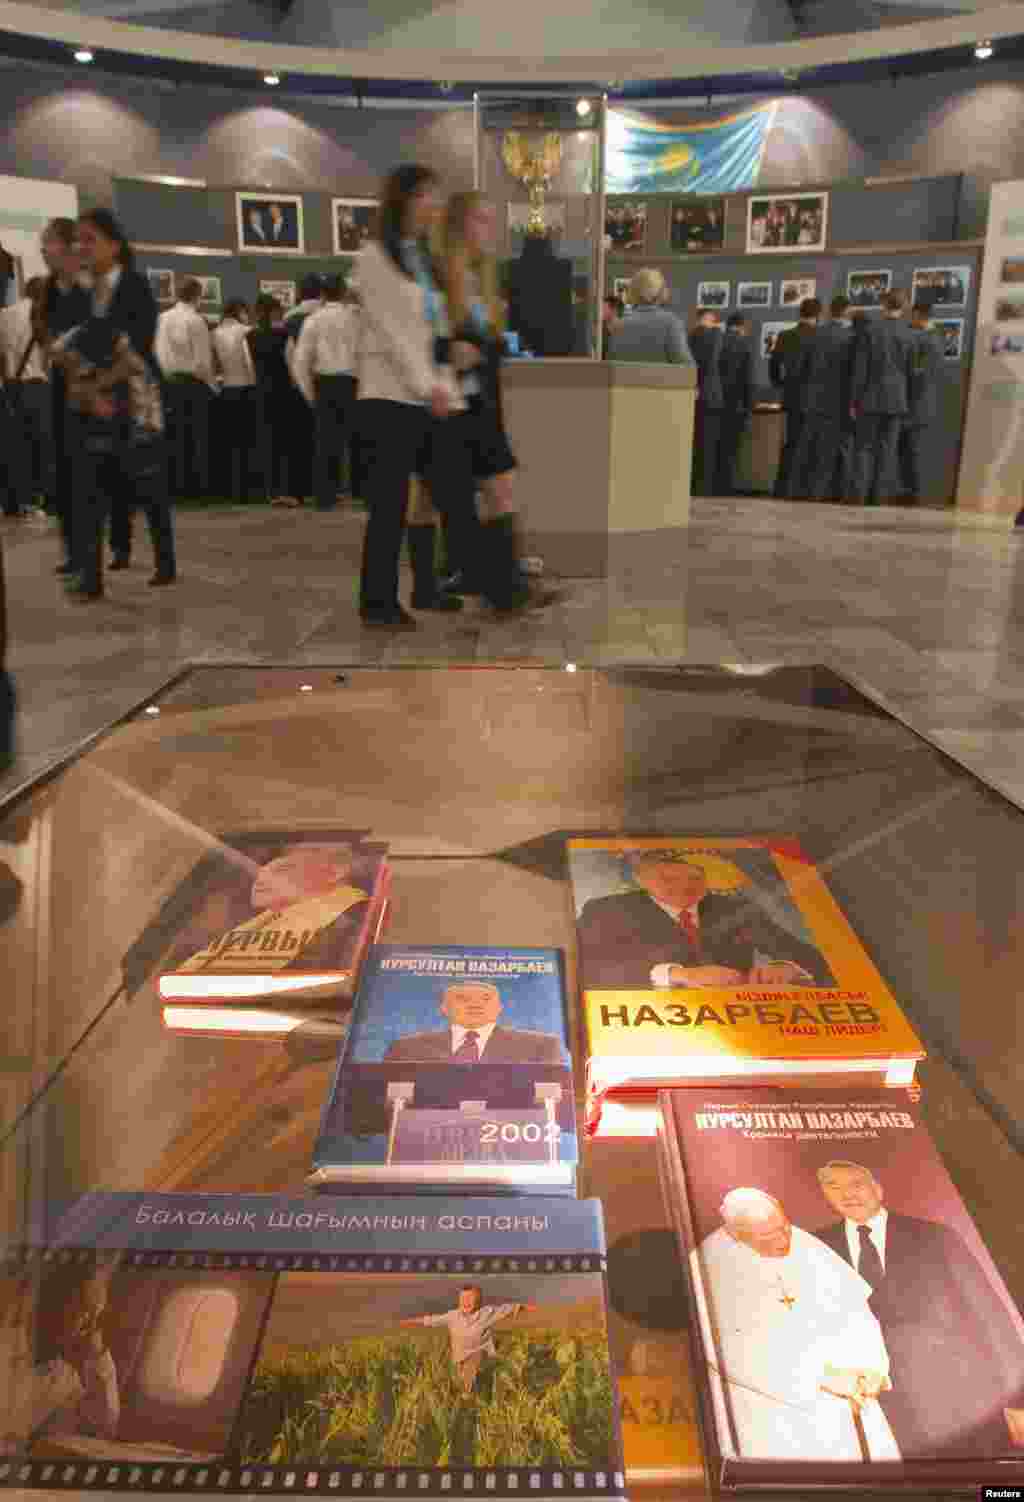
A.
x: 604, y: 452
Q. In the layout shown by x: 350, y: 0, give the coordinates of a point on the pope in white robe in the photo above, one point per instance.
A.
x: 794, y: 1349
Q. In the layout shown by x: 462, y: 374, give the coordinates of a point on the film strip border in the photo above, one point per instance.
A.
x: 22, y: 1258
x: 538, y: 1485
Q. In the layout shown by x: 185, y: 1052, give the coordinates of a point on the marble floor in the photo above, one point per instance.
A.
x: 924, y: 609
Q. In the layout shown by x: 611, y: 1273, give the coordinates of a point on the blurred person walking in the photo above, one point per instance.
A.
x: 25, y: 369
x: 65, y: 305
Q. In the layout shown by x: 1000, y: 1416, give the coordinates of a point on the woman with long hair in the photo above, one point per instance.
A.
x: 487, y: 548
x: 407, y: 387
x: 113, y: 390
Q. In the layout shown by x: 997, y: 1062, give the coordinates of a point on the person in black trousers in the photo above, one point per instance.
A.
x: 922, y: 401
x: 882, y: 387
x: 323, y: 362
x: 736, y: 364
x: 275, y: 395
x: 113, y: 385
x: 821, y: 465
x: 787, y: 369
x: 706, y: 347
x: 407, y: 386
x: 65, y: 305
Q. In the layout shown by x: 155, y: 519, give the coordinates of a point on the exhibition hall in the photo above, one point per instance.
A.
x: 507, y: 870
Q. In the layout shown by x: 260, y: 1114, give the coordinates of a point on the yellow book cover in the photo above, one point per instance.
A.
x: 708, y: 958
x: 660, y: 1434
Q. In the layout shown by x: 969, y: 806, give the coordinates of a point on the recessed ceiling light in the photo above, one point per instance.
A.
x: 983, y: 51
x: 570, y: 667
x: 583, y: 108
x: 305, y: 688
x: 273, y: 79
x: 152, y: 709
x: 83, y: 55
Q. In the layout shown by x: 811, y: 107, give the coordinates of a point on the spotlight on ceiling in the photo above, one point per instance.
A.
x: 983, y: 51
x: 83, y: 55
x: 273, y: 79
x: 583, y: 108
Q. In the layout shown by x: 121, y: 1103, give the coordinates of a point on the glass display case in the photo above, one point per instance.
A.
x: 475, y: 777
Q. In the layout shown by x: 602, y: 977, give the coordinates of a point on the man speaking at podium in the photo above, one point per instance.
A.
x: 474, y: 1036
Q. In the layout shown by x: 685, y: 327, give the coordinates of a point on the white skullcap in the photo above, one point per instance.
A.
x: 748, y: 1204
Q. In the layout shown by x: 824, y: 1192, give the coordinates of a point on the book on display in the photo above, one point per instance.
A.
x: 267, y: 919
x: 456, y: 1074
x: 347, y: 1348
x: 851, y: 1329
x: 722, y: 958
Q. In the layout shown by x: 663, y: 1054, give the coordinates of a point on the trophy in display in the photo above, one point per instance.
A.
x: 533, y: 160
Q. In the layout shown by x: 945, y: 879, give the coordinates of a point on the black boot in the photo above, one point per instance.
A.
x: 425, y: 593
x: 503, y: 583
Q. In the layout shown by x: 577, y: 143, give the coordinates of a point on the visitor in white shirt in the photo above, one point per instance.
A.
x: 184, y: 353
x: 23, y: 364
x: 323, y: 368
x: 237, y: 411
x: 471, y: 1330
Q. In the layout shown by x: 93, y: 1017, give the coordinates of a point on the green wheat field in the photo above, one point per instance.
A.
x: 545, y: 1400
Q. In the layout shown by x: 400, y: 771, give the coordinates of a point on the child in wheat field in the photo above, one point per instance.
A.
x: 470, y: 1330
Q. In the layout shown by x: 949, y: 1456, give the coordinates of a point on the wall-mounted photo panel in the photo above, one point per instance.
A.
x: 1012, y: 269
x: 1002, y: 344
x: 754, y: 295
x: 1010, y: 308
x: 793, y: 290
x: 210, y: 299
x: 769, y: 333
x: 625, y: 225
x: 951, y: 336
x: 942, y: 286
x: 865, y: 289
x: 713, y: 295
x: 787, y: 222
x: 270, y: 224
x: 284, y: 292
x: 697, y: 225
x: 161, y: 285
x: 353, y: 220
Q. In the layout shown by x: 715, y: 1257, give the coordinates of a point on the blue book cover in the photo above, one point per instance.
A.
x: 343, y: 1347
x: 456, y: 1075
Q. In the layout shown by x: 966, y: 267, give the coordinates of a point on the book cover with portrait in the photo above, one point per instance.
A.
x: 723, y: 958
x: 851, y: 1326
x: 456, y: 1072
x: 266, y: 915
x: 202, y: 1343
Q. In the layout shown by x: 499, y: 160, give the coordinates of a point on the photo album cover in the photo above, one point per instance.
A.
x: 218, y: 1343
x: 457, y: 1072
x: 708, y: 957
x: 851, y: 1325
x: 281, y: 915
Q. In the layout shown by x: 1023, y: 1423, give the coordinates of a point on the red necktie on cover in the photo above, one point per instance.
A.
x: 688, y: 924
x: 467, y: 1051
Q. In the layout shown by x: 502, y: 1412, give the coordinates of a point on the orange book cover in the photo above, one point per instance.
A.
x: 708, y: 957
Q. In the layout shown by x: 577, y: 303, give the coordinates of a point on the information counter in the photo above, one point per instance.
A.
x: 604, y: 449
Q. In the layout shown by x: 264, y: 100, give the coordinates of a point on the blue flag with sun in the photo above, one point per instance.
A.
x: 719, y: 156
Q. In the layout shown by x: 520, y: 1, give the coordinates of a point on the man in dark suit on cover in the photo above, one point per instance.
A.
x: 956, y: 1359
x: 674, y: 932
x: 881, y: 389
x: 821, y: 468
x: 473, y: 1036
x: 786, y: 369
x: 923, y: 400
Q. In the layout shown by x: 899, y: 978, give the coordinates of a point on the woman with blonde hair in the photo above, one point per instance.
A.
x: 651, y: 333
x: 488, y: 545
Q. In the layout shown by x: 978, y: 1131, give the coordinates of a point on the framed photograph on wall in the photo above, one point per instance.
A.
x: 161, y: 284
x: 942, y: 286
x: 951, y: 337
x: 865, y: 289
x: 697, y: 225
x: 625, y: 225
x: 1002, y: 344
x: 353, y: 221
x: 786, y: 222
x: 754, y: 295
x: 284, y: 292
x: 793, y: 290
x: 769, y: 333
x: 714, y: 295
x: 1010, y: 309
x: 270, y: 224
x: 1012, y: 269
x: 210, y: 300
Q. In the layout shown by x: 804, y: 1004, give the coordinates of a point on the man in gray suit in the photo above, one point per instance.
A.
x: 472, y: 1009
x: 821, y: 468
x: 923, y: 400
x: 880, y: 391
x: 786, y: 369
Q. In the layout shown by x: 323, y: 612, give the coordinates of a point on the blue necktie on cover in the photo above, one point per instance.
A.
x: 467, y: 1051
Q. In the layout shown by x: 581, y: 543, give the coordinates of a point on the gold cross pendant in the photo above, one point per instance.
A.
x: 784, y: 1298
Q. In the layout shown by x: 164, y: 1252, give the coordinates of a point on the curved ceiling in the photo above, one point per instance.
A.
x: 320, y: 44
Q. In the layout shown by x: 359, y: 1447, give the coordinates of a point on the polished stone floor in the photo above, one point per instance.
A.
x: 924, y: 609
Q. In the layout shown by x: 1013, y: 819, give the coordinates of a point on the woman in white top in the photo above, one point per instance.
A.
x: 406, y: 382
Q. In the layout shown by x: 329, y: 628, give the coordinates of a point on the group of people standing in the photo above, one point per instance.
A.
x: 860, y: 393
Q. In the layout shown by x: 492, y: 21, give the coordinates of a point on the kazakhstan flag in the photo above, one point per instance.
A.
x: 721, y: 156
